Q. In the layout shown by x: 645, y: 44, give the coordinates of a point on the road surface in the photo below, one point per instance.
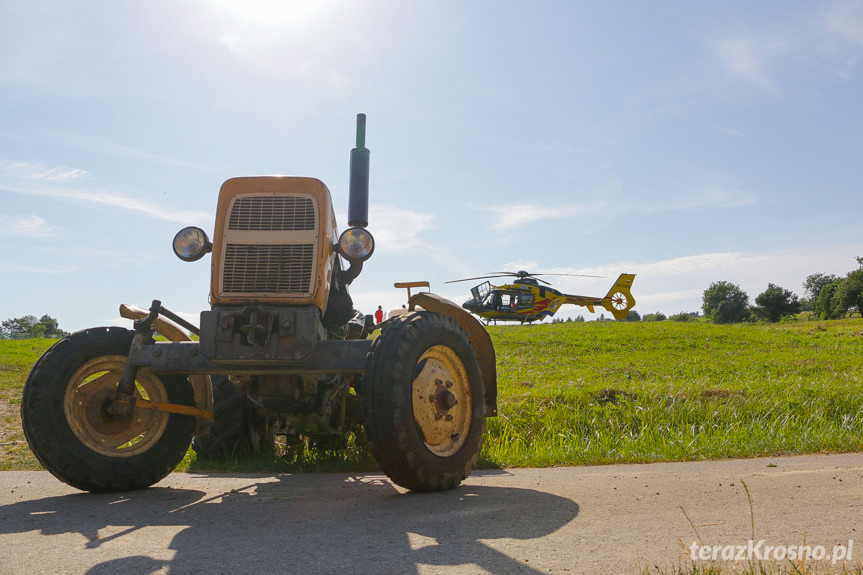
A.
x: 607, y: 519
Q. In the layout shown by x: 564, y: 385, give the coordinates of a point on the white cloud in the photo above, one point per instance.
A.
x: 41, y: 172
x: 843, y: 21
x: 40, y: 180
x: 19, y: 269
x: 518, y: 215
x: 750, y: 58
x: 715, y: 198
x: 829, y: 36
x: 26, y: 226
x: 395, y: 229
x: 677, y: 284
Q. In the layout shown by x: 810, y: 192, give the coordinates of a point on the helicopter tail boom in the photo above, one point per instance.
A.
x: 618, y: 300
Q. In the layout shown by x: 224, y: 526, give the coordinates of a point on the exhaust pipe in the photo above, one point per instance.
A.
x: 358, y: 198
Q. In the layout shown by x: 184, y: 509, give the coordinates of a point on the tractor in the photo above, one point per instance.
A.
x: 280, y: 356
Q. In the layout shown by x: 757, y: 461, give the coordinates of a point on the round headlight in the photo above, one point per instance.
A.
x: 191, y: 244
x: 356, y: 244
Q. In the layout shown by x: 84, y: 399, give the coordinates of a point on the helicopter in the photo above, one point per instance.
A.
x: 525, y: 300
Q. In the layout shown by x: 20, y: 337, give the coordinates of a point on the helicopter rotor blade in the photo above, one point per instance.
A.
x: 471, y: 279
x: 574, y: 275
x: 520, y: 275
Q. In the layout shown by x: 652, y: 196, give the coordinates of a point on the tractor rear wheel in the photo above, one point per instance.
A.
x: 424, y: 402
x: 73, y: 435
x: 237, y: 432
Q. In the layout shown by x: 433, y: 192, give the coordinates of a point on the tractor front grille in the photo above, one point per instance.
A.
x: 272, y: 213
x: 268, y: 269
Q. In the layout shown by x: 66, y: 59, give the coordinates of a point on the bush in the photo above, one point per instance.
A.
x: 658, y: 316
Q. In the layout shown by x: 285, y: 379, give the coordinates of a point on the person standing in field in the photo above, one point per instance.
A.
x: 379, y: 315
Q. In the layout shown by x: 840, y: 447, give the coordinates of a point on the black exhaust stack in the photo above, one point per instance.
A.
x: 358, y: 199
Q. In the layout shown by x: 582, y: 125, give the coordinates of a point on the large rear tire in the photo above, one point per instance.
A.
x: 237, y: 432
x: 63, y: 411
x: 424, y: 410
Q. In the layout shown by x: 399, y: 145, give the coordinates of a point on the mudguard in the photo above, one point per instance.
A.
x: 478, y: 337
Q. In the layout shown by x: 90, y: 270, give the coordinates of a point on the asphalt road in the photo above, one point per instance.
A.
x: 610, y: 519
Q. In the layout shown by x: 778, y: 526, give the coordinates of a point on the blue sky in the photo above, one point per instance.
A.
x: 686, y: 142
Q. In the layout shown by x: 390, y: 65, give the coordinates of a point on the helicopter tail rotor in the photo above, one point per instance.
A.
x: 619, y: 299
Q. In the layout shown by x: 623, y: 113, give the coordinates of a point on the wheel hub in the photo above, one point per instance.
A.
x: 442, y: 401
x: 443, y: 398
x: 100, y: 418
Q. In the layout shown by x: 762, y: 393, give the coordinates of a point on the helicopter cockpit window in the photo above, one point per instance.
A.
x: 481, y: 291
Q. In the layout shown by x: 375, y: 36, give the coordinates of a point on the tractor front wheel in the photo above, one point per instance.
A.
x: 424, y: 410
x: 64, y: 411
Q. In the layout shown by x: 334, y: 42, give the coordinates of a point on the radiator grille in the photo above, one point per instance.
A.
x: 272, y: 213
x: 268, y: 269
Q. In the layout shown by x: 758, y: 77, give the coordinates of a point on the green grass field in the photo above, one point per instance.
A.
x: 633, y: 392
x: 16, y: 359
x: 592, y: 393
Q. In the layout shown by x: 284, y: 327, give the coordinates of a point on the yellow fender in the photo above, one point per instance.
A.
x: 477, y: 334
x: 201, y: 384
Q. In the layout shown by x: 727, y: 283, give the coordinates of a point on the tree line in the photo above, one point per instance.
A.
x: 30, y: 327
x: 827, y: 296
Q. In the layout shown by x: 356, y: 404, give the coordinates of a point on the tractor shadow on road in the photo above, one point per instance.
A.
x: 315, y: 523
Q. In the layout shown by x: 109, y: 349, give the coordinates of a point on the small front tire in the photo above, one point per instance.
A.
x: 66, y: 423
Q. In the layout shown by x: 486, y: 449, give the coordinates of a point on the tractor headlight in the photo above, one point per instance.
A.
x: 356, y: 244
x: 191, y: 244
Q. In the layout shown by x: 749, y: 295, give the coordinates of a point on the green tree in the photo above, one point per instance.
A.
x: 841, y: 295
x: 725, y: 302
x: 828, y: 305
x: 813, y: 285
x: 633, y: 316
x: 45, y: 326
x: 18, y: 325
x: 850, y: 291
x: 774, y: 303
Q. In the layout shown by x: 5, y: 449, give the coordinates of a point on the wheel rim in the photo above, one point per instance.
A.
x: 87, y: 395
x: 442, y: 403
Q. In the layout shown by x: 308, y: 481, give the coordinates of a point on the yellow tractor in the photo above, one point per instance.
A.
x: 281, y: 353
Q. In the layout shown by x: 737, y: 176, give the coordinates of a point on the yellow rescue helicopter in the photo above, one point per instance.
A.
x: 525, y: 300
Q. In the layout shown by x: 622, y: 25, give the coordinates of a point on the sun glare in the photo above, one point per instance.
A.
x: 270, y: 13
